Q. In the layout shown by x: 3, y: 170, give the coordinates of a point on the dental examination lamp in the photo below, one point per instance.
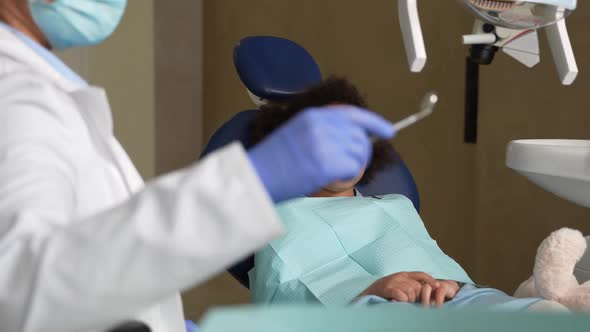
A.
x: 508, y: 25
x: 558, y: 166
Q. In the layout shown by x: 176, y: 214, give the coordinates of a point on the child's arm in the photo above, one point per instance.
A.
x: 405, y: 287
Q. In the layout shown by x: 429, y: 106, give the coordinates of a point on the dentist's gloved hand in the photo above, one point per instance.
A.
x: 317, y: 147
x: 191, y: 326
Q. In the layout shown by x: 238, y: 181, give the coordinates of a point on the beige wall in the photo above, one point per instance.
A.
x: 124, y: 65
x: 484, y: 215
x: 179, y: 86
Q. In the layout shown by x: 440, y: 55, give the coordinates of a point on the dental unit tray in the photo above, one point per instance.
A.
x: 383, y: 318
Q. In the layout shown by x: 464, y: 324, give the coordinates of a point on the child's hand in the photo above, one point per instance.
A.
x: 446, y: 291
x: 404, y: 287
x: 438, y: 295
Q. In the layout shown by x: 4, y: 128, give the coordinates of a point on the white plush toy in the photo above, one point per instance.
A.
x: 553, y: 276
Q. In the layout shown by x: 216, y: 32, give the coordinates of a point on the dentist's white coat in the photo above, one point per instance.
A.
x: 84, y: 243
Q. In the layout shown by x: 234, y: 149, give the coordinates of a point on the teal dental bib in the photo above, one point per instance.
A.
x: 335, y: 248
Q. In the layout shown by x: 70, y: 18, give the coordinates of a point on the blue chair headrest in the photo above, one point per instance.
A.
x: 275, y: 68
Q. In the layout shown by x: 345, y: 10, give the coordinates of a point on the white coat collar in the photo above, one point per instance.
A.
x: 12, y: 47
x: 91, y: 99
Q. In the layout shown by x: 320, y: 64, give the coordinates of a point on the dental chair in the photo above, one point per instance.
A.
x: 273, y: 69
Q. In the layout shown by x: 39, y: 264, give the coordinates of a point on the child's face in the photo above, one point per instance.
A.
x: 342, y: 186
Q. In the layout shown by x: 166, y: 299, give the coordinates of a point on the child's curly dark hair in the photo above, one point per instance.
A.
x: 334, y: 90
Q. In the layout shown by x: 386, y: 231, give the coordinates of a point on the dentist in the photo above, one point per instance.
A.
x: 85, y: 244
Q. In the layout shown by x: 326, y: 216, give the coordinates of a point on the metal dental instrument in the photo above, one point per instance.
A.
x: 426, y: 108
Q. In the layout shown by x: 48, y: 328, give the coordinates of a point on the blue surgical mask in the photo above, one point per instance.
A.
x: 75, y: 23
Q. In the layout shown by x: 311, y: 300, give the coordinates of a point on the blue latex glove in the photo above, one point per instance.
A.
x: 191, y: 326
x: 317, y: 147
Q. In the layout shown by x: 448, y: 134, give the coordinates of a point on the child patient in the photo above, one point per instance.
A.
x: 342, y: 248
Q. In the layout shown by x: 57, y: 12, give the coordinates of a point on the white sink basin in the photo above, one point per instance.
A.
x: 561, y: 167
